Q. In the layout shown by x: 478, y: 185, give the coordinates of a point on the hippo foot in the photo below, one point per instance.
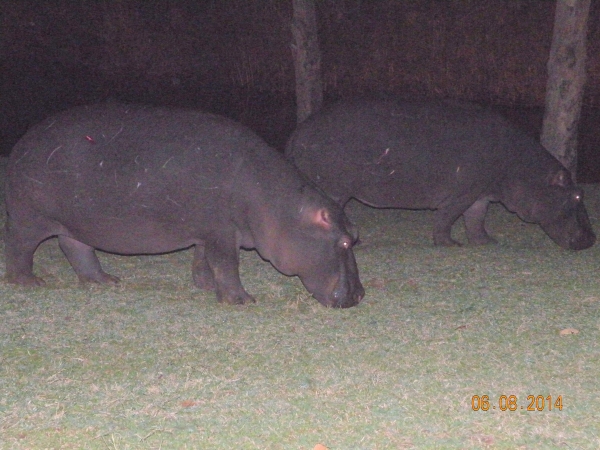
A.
x: 28, y: 280
x: 237, y: 299
x: 99, y: 278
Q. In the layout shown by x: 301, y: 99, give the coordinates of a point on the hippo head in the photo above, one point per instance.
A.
x: 557, y: 206
x: 315, y: 244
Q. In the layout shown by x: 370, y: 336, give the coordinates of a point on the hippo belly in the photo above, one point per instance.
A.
x: 130, y: 238
x: 106, y: 218
x: 454, y: 159
x: 138, y: 180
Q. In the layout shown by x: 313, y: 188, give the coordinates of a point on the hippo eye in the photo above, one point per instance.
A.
x: 345, y: 242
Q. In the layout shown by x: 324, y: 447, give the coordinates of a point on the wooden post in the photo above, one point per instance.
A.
x: 307, y: 59
x: 566, y: 80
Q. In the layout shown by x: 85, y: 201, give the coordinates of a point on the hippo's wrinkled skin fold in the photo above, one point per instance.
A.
x: 452, y: 158
x: 140, y: 180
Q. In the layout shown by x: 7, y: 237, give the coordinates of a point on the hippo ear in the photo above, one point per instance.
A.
x: 321, y: 217
x: 562, y: 178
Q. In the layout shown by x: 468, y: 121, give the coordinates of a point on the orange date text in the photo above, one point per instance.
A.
x: 511, y: 403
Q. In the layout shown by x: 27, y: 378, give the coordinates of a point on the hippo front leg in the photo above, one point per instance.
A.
x: 222, y: 257
x: 475, y: 223
x: 84, y: 261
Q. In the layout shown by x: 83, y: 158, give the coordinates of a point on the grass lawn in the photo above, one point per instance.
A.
x: 156, y: 363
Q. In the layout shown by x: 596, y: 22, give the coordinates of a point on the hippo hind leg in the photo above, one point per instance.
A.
x: 21, y: 241
x: 475, y: 223
x: 443, y: 220
x: 201, y: 271
x: 84, y: 261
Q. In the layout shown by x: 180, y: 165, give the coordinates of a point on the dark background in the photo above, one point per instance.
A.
x: 233, y: 57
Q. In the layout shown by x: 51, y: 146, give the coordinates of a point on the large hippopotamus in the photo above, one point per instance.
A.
x: 451, y: 158
x: 140, y: 180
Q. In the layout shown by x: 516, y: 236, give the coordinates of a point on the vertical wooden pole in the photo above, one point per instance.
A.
x: 566, y: 81
x: 307, y: 59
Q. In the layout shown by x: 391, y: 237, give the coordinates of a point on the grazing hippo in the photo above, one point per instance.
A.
x: 451, y: 158
x: 142, y: 180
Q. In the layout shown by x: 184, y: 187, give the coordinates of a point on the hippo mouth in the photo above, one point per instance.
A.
x: 581, y: 242
x: 342, y: 302
x: 578, y: 239
x: 343, y: 295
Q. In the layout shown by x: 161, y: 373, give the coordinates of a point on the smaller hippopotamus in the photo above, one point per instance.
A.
x: 451, y: 158
x: 139, y: 180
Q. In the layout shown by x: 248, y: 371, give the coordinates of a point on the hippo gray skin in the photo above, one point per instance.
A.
x: 451, y: 158
x: 139, y: 180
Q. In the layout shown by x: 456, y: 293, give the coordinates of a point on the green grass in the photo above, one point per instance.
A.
x: 155, y: 363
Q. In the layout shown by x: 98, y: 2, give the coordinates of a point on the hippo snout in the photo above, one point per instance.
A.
x: 578, y: 241
x: 574, y: 233
x: 583, y: 240
x: 343, y: 299
x: 335, y: 283
x: 344, y: 295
